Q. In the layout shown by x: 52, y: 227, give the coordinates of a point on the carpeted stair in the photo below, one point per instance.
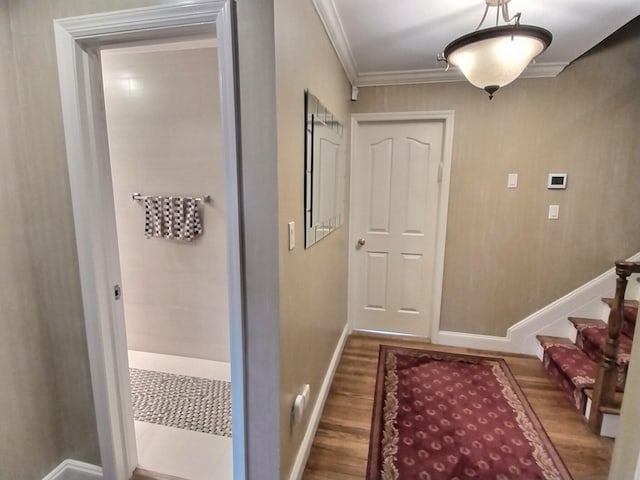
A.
x: 574, y: 365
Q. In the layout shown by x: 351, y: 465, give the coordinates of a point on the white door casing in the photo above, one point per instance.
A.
x: 400, y: 171
x: 78, y: 42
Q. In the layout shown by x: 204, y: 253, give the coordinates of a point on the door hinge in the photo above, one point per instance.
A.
x: 117, y: 292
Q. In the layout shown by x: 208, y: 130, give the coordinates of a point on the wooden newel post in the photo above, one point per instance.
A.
x: 607, y: 379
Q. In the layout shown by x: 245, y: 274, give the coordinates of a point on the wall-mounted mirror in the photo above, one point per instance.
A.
x: 324, y: 171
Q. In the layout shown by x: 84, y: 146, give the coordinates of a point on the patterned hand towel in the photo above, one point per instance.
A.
x: 157, y: 216
x: 172, y: 217
x: 148, y: 217
x: 153, y: 217
x: 192, y: 226
x: 167, y: 217
x: 178, y: 216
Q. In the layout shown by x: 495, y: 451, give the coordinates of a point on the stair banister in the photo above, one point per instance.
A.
x: 606, y: 381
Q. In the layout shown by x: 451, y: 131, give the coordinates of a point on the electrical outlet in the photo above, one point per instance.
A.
x: 300, y: 404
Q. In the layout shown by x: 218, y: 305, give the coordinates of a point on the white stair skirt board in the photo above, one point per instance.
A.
x: 303, y: 453
x: 610, y: 423
x: 584, y: 301
x: 75, y: 470
x: 633, y: 288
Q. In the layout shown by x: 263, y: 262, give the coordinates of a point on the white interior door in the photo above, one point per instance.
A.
x: 397, y: 174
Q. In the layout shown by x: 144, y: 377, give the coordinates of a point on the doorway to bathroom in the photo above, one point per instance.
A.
x: 163, y: 115
x: 100, y: 235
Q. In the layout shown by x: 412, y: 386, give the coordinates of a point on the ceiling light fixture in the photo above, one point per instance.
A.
x: 494, y: 57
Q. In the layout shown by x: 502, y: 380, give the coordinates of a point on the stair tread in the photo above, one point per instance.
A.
x: 611, y: 409
x: 593, y: 335
x: 630, y: 308
x: 577, y: 321
x: 551, y: 338
x: 598, y: 335
x: 627, y: 301
x: 572, y: 361
x: 573, y: 386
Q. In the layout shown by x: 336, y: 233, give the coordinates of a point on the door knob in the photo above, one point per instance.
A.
x: 360, y: 243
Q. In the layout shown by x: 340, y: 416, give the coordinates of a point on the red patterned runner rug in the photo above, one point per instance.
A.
x: 445, y: 416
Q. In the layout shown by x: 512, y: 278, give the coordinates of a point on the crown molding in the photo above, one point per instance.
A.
x: 172, y: 15
x: 328, y: 14
x: 331, y: 20
x: 538, y: 70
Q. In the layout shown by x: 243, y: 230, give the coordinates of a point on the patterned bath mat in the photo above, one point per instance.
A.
x: 444, y: 416
x: 190, y: 403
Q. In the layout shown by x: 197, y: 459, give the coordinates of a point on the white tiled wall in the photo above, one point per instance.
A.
x: 163, y: 116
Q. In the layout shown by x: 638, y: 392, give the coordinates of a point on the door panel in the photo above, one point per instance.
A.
x: 377, y: 280
x: 416, y: 181
x: 379, y: 167
x: 412, y: 272
x: 395, y: 187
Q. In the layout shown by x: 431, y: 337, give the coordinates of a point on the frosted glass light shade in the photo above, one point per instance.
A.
x: 494, y: 57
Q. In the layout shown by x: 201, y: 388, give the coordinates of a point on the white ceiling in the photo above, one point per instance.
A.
x: 381, y: 42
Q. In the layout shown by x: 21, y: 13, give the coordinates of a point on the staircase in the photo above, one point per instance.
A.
x: 592, y: 369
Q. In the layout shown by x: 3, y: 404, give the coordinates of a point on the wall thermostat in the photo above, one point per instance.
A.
x: 557, y: 181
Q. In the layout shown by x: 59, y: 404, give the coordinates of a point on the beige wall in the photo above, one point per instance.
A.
x: 504, y: 259
x: 47, y: 404
x: 30, y: 420
x: 165, y: 137
x: 313, y: 282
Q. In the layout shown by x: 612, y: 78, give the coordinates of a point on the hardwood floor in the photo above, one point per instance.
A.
x: 340, y: 448
x: 141, y: 474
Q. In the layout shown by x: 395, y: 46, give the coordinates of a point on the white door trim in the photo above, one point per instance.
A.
x: 447, y: 116
x: 78, y: 41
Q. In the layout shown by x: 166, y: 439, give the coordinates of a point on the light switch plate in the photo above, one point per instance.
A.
x: 554, y: 212
x: 512, y: 180
x: 292, y: 235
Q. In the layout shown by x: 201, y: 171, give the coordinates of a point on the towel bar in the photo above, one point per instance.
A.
x: 204, y: 199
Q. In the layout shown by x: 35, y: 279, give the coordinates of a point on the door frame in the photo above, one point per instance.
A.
x: 78, y: 43
x: 447, y: 117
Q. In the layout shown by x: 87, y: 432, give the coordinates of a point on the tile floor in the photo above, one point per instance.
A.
x: 174, y: 451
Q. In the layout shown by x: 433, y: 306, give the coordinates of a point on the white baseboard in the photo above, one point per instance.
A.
x: 75, y: 470
x: 550, y: 320
x: 472, y: 340
x: 314, y: 420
